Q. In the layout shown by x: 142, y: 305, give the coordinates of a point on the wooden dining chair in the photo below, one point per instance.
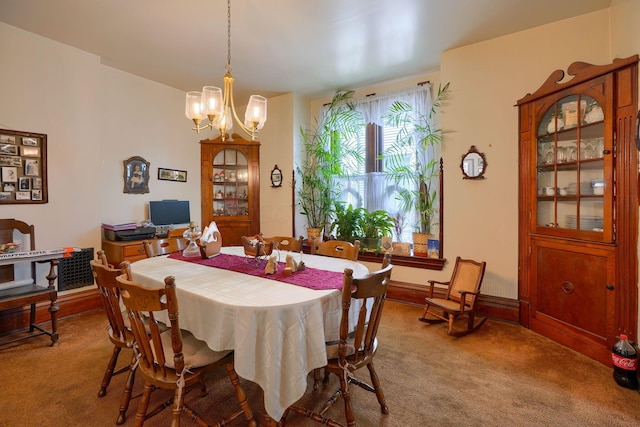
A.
x: 336, y: 249
x: 355, y: 349
x: 172, y: 359
x: 285, y: 243
x: 156, y: 247
x: 118, y: 329
x: 176, y: 232
x: 460, y: 299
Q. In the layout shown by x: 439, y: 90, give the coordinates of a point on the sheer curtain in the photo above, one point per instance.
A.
x: 373, y: 190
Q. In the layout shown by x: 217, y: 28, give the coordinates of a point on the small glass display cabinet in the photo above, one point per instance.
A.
x: 230, y: 187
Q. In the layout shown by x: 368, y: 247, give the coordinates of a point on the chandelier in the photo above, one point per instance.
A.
x: 217, y: 105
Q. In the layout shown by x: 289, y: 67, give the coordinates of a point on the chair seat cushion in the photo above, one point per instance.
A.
x: 332, y: 349
x: 196, y: 352
x: 446, y: 304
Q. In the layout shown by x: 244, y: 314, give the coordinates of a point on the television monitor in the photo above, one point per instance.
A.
x: 169, y: 212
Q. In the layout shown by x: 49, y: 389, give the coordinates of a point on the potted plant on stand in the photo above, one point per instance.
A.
x: 418, y: 183
x: 325, y: 153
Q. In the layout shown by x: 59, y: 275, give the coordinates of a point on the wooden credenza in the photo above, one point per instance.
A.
x: 117, y: 252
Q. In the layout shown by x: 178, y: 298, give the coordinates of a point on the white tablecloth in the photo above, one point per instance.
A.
x: 277, y: 330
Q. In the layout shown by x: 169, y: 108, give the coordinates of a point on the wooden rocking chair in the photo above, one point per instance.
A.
x: 461, y: 297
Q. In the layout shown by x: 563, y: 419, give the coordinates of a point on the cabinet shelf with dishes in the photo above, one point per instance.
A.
x: 573, y: 158
x: 578, y: 217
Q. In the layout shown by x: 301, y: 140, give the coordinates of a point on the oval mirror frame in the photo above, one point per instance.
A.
x: 473, y: 164
x: 276, y: 177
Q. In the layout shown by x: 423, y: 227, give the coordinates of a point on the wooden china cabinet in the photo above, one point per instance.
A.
x: 578, y: 207
x: 230, y: 186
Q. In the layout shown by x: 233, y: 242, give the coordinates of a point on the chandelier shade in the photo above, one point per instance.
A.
x: 217, y: 106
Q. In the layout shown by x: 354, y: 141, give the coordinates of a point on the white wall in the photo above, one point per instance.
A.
x: 277, y: 138
x: 53, y: 89
x: 144, y: 118
x: 94, y: 117
x: 481, y: 216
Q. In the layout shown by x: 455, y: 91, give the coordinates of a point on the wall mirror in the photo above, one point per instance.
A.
x: 276, y: 177
x: 473, y: 164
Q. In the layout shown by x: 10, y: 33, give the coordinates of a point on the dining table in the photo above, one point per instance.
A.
x: 276, y: 324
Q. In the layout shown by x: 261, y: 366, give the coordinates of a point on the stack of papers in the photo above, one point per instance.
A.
x: 118, y: 227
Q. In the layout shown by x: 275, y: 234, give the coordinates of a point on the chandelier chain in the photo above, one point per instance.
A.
x: 228, y: 67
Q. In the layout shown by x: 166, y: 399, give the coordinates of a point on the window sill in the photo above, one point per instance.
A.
x: 406, y: 261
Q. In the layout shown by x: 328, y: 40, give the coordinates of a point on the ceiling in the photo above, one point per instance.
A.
x: 312, y: 47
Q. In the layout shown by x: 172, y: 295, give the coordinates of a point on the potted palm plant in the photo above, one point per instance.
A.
x: 325, y: 154
x: 419, y: 136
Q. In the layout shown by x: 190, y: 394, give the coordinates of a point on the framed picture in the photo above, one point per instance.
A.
x: 9, y: 149
x: 10, y: 161
x: 23, y: 160
x: 23, y: 195
x: 30, y: 151
x: 7, y: 139
x: 136, y: 175
x: 5, y: 196
x: 24, y: 183
x: 9, y: 174
x: 172, y: 175
x: 31, y: 167
x: 9, y: 186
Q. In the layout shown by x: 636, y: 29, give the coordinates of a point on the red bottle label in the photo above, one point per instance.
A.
x: 624, y: 363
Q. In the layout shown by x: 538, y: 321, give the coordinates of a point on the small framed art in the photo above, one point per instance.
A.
x: 165, y: 174
x: 136, y: 175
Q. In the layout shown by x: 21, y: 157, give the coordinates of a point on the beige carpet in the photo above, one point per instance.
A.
x: 503, y: 375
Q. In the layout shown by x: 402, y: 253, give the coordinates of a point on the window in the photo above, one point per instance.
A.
x: 368, y: 184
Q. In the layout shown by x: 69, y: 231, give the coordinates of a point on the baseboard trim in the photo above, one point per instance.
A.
x: 489, y: 306
x: 72, y: 303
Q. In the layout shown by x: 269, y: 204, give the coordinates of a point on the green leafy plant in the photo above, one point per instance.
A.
x: 418, y: 135
x: 325, y: 155
x: 376, y: 224
x: 346, y: 221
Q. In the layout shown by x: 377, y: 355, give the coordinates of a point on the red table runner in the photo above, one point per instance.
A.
x: 311, y: 278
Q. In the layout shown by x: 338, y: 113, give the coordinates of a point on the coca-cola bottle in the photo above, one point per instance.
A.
x: 625, y: 363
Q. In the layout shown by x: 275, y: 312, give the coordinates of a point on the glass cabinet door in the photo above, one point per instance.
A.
x: 230, y: 183
x: 573, y: 167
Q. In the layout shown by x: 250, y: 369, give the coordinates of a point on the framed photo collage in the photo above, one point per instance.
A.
x: 23, y: 167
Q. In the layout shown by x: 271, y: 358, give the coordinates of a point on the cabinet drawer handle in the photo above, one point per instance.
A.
x: 140, y: 250
x: 609, y: 286
x: 567, y: 287
x: 606, y: 151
